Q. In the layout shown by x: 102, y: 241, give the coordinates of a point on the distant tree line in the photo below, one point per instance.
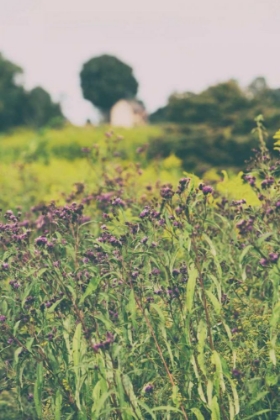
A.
x: 19, y: 107
x: 213, y: 128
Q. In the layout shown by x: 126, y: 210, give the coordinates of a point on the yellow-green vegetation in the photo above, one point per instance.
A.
x: 44, y: 166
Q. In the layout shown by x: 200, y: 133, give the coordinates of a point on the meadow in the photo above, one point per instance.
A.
x: 132, y: 289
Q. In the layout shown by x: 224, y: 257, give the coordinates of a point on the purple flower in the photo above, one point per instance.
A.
x: 273, y: 257
x: 175, y: 272
x: 277, y: 205
x: 250, y: 179
x: 263, y: 262
x: 144, y: 213
x: 266, y: 183
x: 184, y: 181
x: 206, y: 189
x: 166, y: 192
x: 155, y: 271
x: 144, y: 240
x: 10, y: 340
x: 14, y: 284
x: 5, y: 266
x: 236, y: 373
x: 118, y: 202
x: 3, y: 318
x: 148, y: 388
x: 41, y: 241
x: 30, y: 397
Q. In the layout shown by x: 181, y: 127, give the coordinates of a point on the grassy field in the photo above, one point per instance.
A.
x: 131, y: 289
x: 43, y: 166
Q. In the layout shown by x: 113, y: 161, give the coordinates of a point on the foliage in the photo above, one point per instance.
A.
x: 19, y: 107
x: 105, y: 80
x: 40, y: 110
x: 120, y: 305
x: 211, y: 128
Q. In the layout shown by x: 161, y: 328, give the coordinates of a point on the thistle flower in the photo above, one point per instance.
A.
x: 41, y: 241
x: 273, y: 256
x: 263, y: 262
x: 148, y: 388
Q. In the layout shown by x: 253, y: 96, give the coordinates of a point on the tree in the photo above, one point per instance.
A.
x: 40, y: 110
x: 105, y: 80
x: 20, y: 107
x: 12, y: 95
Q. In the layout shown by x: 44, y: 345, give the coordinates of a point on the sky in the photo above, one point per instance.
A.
x: 172, y: 45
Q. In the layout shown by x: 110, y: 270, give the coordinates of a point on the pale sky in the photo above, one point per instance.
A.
x: 172, y: 45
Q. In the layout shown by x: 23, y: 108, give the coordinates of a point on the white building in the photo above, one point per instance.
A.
x: 128, y: 113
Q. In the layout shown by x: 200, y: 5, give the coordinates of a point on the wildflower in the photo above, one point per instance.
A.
x: 266, y: 183
x: 14, y: 284
x: 41, y: 241
x: 273, y: 257
x: 144, y: 213
x: 236, y: 373
x: 206, y: 189
x: 30, y: 397
x: 148, y: 388
x: 166, y: 192
x: 263, y: 262
x: 5, y: 266
x: 3, y: 318
x: 184, y: 181
x: 175, y: 272
x: 250, y: 179
x: 118, y: 202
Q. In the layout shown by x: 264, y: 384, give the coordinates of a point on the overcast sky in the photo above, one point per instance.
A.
x: 172, y: 45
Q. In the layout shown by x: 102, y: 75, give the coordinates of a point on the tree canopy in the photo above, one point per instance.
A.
x: 105, y: 80
x: 20, y: 107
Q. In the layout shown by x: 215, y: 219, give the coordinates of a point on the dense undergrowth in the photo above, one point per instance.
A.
x: 143, y: 300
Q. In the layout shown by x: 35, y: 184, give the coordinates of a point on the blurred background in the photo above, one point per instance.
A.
x: 199, y: 71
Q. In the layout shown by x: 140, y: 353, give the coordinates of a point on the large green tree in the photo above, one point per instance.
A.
x: 40, y: 110
x: 12, y: 95
x: 19, y: 107
x: 105, y: 80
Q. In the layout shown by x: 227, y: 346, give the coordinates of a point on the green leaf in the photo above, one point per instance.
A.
x: 130, y: 392
x: 16, y: 355
x: 38, y: 388
x: 77, y: 345
x: 219, y: 371
x: 215, y: 411
x: 57, y: 405
x: 193, y: 275
x: 198, y: 414
x: 201, y: 337
x: 244, y: 253
x: 216, y: 304
x: 92, y: 286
